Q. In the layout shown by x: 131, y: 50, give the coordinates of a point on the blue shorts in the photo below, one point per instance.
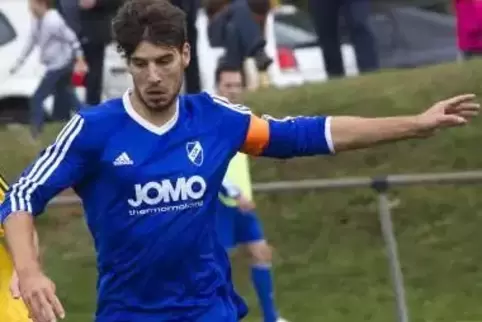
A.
x: 235, y: 227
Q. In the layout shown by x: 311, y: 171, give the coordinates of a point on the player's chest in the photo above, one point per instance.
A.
x: 163, y: 159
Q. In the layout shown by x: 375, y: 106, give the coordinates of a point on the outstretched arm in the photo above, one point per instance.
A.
x: 32, y: 40
x: 306, y: 136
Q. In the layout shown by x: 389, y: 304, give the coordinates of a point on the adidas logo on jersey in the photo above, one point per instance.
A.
x: 123, y: 159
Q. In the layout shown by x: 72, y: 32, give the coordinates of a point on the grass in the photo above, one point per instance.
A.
x: 330, y: 262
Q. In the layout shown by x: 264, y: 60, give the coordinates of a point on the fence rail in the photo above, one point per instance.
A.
x: 381, y: 184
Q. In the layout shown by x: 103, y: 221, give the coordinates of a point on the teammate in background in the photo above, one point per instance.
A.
x: 237, y: 223
x: 148, y: 168
x: 11, y: 309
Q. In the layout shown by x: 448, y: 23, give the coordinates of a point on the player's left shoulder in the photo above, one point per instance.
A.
x: 215, y: 105
x: 226, y: 105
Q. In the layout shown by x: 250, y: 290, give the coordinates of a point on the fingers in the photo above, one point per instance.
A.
x: 452, y: 120
x: 15, y: 288
x: 34, y: 308
x: 15, y: 291
x: 467, y: 114
x: 466, y: 110
x: 44, y: 306
x: 467, y: 107
x: 47, y: 313
x: 459, y: 99
x: 56, y: 305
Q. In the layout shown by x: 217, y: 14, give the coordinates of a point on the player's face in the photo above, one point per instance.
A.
x: 231, y: 86
x: 157, y: 73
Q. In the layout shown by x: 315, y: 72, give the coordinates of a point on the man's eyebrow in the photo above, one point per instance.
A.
x: 153, y: 58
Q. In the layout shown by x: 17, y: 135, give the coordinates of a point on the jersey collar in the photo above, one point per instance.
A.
x: 159, y: 130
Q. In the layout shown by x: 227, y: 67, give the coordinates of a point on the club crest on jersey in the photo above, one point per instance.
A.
x: 195, y: 152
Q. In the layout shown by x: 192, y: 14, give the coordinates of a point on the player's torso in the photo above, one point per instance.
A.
x: 153, y: 227
x: 161, y: 183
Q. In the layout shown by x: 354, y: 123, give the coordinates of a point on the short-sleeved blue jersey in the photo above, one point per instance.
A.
x: 150, y: 194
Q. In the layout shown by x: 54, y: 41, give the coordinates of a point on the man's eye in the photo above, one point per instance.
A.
x: 139, y: 63
x: 164, y: 61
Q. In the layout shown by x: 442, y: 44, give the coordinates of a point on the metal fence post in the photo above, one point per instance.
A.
x: 381, y: 186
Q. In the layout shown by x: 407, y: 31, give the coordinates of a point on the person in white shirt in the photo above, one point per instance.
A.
x: 60, y: 53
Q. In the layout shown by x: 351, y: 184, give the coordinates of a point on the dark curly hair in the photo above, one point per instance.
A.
x: 156, y: 21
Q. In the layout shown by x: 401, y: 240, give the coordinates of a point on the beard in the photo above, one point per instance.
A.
x: 163, y: 103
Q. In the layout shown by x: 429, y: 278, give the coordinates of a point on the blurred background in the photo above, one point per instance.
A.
x: 304, y: 42
x: 313, y: 57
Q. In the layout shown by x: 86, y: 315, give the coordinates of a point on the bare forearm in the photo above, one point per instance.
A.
x: 349, y: 133
x: 22, y: 241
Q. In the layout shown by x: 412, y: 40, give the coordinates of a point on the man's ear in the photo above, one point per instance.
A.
x: 186, y: 54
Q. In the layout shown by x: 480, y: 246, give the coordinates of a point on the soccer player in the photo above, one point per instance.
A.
x: 148, y: 168
x: 11, y: 309
x: 237, y: 223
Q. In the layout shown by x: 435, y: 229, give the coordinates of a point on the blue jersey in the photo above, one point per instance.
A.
x: 150, y: 194
x: 234, y: 226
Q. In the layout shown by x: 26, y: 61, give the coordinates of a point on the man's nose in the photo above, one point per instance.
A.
x: 153, y: 75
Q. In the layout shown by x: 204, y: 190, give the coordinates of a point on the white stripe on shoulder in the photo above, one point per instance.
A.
x: 226, y: 103
x: 43, y: 168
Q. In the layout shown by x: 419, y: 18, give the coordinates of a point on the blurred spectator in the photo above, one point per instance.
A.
x: 238, y: 27
x: 59, y: 49
x: 326, y: 14
x: 91, y: 20
x: 192, y: 80
x: 230, y: 83
x: 469, y: 27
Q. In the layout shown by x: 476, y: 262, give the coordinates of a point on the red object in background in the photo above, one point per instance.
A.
x: 78, y: 79
x: 286, y: 59
x: 469, y: 25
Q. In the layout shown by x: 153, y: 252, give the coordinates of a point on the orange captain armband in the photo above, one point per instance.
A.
x: 257, y: 137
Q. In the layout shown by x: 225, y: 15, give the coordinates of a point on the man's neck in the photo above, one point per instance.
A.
x: 157, y: 118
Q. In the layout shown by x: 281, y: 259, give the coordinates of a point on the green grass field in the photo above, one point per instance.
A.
x: 330, y: 263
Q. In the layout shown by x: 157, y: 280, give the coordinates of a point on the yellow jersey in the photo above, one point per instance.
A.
x: 11, y: 310
x: 239, y: 174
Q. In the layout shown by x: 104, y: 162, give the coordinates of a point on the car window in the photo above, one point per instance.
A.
x: 291, y: 36
x: 7, y: 33
x: 297, y: 18
x: 294, y: 30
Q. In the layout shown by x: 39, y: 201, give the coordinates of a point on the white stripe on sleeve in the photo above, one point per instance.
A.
x: 45, y: 166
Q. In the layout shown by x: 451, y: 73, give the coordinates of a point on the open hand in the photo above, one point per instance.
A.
x: 455, y: 111
x: 38, y: 293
